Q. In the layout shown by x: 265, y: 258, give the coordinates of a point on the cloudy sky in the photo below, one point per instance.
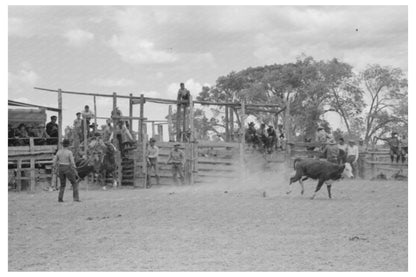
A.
x: 151, y: 49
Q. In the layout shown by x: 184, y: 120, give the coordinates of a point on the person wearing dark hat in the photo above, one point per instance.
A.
x: 178, y: 160
x: 183, y: 94
x: 152, y: 154
x: 331, y: 151
x: 52, y: 130
x: 65, y: 164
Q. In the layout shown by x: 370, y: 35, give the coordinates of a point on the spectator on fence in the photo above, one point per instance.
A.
x: 52, y: 130
x: 152, y: 154
x: 22, y: 135
x: 183, y: 95
x: 65, y: 164
x: 342, y: 146
x: 108, y: 131
x: 352, y: 156
x: 87, y: 115
x: 178, y: 160
x: 78, y: 127
x: 271, y: 139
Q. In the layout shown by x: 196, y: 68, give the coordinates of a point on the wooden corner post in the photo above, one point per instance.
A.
x: 59, y: 118
x: 141, y: 134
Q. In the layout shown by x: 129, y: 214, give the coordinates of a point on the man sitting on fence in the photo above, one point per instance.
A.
x: 178, y: 159
x: 395, y: 144
x: 52, y: 130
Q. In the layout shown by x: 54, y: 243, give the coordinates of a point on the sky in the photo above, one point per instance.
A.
x: 151, y: 49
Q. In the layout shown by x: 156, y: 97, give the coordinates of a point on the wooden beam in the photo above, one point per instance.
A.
x: 178, y: 122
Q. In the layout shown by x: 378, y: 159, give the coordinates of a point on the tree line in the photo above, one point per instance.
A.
x: 370, y: 103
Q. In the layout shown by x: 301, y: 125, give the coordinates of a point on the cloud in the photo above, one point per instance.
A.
x: 193, y: 86
x: 78, y: 37
x: 139, y: 51
x: 22, y: 80
x: 122, y: 82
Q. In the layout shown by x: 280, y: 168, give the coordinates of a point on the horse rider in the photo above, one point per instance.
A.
x: 65, y: 164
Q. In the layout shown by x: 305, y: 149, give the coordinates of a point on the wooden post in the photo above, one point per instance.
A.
x: 32, y: 175
x: 191, y: 141
x: 160, y: 132
x: 288, y: 129
x: 184, y: 125
x: 141, y: 136
x: 242, y: 140
x: 178, y: 122
x: 131, y: 112
x: 95, y: 115
x: 144, y: 161
x: 227, y: 125
x: 231, y: 124
x: 59, y: 118
x: 19, y: 175
x: 84, y: 121
x: 153, y: 129
x: 170, y: 124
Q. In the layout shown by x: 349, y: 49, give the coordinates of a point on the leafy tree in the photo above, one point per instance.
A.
x: 386, y: 88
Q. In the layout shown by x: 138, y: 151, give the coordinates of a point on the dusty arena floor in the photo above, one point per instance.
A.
x: 252, y: 226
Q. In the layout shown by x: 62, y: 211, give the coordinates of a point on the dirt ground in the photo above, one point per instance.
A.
x: 222, y: 226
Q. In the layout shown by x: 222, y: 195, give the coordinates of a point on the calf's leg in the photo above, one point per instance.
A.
x: 293, y: 179
x: 318, y: 187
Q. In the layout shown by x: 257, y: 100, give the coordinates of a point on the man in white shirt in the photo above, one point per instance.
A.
x: 352, y: 156
x: 88, y: 115
x: 342, y: 146
x: 152, y: 154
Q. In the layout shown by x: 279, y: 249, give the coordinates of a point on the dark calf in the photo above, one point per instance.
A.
x: 323, y: 171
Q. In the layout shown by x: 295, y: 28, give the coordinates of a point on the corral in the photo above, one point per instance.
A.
x: 222, y: 226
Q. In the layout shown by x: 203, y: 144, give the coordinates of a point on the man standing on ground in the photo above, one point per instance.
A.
x: 178, y: 159
x: 64, y: 162
x: 352, y: 156
x: 331, y: 151
x: 152, y: 154
x: 342, y: 158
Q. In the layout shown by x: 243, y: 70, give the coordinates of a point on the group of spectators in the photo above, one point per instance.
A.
x: 43, y: 135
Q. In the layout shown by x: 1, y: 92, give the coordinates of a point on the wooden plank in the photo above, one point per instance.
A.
x: 227, y: 125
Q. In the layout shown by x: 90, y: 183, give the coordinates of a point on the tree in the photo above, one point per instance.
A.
x: 386, y: 88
